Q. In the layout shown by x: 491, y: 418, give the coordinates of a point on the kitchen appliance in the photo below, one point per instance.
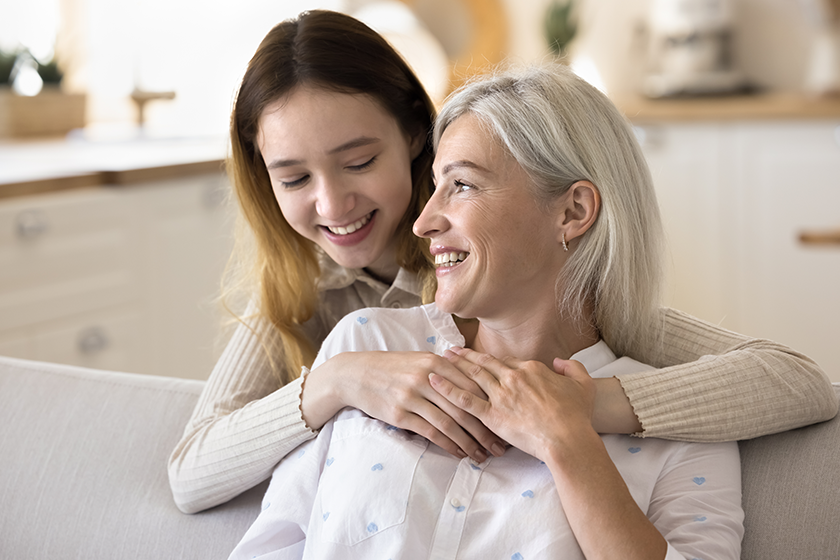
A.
x: 690, y: 49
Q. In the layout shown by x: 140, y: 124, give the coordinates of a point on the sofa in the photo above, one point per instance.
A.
x: 83, y: 474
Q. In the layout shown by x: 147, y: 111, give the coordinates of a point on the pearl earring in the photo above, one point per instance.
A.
x: 565, y: 247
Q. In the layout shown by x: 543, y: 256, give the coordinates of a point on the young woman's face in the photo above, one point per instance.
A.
x: 497, y: 252
x: 340, y: 168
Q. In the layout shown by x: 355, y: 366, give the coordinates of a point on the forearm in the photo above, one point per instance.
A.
x: 741, y: 388
x: 242, y: 425
x: 605, y: 519
x: 218, y: 460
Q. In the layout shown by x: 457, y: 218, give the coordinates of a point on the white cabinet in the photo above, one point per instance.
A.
x: 734, y: 198
x: 116, y: 278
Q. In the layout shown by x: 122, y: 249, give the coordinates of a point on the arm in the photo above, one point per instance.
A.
x: 245, y: 421
x: 716, y: 385
x: 213, y: 462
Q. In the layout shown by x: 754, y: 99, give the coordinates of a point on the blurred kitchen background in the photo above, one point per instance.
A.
x: 115, y: 223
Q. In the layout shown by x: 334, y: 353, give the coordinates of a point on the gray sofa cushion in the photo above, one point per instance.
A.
x: 791, y: 485
x: 83, y: 468
x: 83, y: 474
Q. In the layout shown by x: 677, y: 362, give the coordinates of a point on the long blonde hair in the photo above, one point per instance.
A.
x: 272, y: 263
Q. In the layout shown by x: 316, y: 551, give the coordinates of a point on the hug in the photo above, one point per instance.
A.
x: 496, y: 418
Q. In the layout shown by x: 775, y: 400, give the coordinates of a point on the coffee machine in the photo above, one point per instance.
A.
x: 690, y: 49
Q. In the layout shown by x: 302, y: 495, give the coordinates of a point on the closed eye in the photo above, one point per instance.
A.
x: 294, y: 184
x: 363, y: 166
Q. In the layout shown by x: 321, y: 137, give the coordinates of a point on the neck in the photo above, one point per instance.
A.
x: 541, y: 337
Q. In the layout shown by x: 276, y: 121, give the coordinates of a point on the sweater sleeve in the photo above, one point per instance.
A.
x: 244, y: 423
x: 717, y: 385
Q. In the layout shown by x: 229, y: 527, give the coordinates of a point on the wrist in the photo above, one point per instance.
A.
x: 613, y: 413
x: 319, y: 399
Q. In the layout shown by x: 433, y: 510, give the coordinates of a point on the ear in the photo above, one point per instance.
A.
x: 579, y: 208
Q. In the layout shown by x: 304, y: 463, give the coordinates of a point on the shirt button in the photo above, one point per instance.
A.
x: 396, y: 305
x: 455, y: 503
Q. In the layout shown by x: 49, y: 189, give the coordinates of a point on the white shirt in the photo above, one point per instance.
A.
x: 364, y: 489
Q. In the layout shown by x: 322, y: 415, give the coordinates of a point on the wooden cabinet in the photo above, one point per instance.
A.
x: 116, y: 278
x: 735, y: 197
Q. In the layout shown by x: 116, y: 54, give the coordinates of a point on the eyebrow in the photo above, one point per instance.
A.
x: 355, y: 143
x: 461, y: 164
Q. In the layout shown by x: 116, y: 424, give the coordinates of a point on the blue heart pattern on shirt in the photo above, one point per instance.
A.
x: 372, y: 528
x: 700, y: 518
x: 528, y: 494
x: 330, y: 461
x: 361, y: 320
x: 699, y: 480
x: 326, y: 515
x: 517, y: 556
x: 431, y: 340
x: 376, y: 467
x: 634, y: 450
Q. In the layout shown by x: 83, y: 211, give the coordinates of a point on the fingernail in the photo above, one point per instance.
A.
x: 480, y: 456
x: 456, y: 349
x: 498, y: 450
x: 461, y: 454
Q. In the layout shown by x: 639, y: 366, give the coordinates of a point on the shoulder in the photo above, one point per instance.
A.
x: 377, y: 329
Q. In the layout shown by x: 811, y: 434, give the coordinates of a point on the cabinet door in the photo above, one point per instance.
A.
x: 102, y: 340
x: 789, y: 177
x: 188, y: 239
x: 65, y: 254
x: 685, y: 161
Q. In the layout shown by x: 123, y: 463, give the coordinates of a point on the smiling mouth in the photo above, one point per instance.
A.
x: 355, y: 226
x: 449, y: 259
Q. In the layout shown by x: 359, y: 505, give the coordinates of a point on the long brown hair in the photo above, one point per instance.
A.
x: 280, y: 267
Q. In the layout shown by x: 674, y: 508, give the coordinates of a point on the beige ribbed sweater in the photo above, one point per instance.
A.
x: 714, y: 385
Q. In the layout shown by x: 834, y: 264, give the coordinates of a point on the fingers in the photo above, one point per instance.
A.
x: 481, y: 368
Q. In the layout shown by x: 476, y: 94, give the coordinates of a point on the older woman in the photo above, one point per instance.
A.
x: 541, y: 194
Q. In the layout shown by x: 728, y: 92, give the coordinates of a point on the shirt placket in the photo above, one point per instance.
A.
x: 456, y: 506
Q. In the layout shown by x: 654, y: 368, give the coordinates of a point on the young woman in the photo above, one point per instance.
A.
x: 543, y: 195
x: 330, y: 166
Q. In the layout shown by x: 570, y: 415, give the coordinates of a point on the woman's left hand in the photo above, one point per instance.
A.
x: 528, y: 404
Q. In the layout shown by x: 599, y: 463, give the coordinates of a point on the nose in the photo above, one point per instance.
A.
x: 334, y: 200
x: 431, y: 220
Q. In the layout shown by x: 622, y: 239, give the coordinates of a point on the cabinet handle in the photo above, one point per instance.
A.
x: 825, y: 237
x: 31, y: 224
x: 93, y: 340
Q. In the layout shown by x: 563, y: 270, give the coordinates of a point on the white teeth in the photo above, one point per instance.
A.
x: 351, y: 228
x: 448, y: 259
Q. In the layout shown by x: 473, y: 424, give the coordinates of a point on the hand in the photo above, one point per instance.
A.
x: 527, y: 404
x: 394, y: 387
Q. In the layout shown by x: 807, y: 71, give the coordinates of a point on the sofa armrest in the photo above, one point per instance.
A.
x: 83, y: 467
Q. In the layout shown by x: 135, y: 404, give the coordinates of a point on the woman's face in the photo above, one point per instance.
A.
x: 497, y: 252
x: 340, y: 168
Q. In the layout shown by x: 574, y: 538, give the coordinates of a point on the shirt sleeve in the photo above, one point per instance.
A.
x: 696, y: 503
x: 717, y: 385
x: 245, y: 421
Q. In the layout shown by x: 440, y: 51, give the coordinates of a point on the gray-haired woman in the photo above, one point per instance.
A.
x: 540, y: 191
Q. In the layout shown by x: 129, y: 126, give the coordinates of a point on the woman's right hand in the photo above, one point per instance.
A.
x: 394, y: 387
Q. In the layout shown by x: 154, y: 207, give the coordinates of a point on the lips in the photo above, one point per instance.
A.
x: 350, y: 234
x: 357, y: 225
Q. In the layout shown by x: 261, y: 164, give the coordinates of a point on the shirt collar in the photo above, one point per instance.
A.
x: 595, y: 357
x: 335, y: 277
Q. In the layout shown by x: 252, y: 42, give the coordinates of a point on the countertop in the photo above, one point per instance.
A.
x: 763, y: 106
x: 43, y: 166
